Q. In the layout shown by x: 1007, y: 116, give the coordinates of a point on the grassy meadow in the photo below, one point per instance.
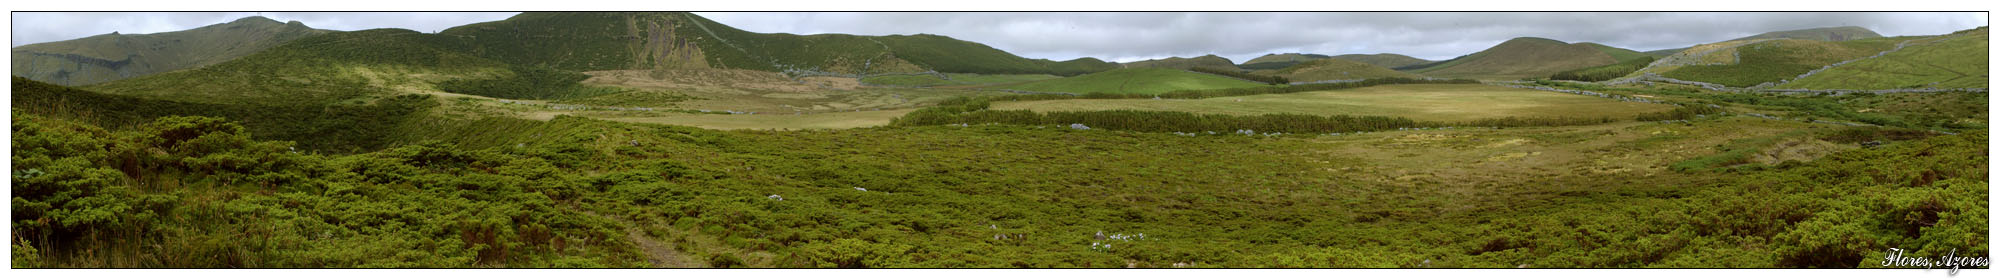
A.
x: 1420, y: 102
x: 1134, y: 81
x: 956, y: 79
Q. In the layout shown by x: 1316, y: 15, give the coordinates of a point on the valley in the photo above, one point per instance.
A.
x: 670, y: 140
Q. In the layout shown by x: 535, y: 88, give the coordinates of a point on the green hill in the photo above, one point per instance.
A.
x: 585, y: 41
x: 634, y: 40
x: 1286, y: 57
x: 1616, y: 53
x: 1605, y: 72
x: 1279, y: 60
x: 336, y: 67
x: 1386, y: 60
x: 1775, y: 60
x: 1212, y: 61
x: 1134, y: 81
x: 114, y: 56
x: 1334, y: 69
x: 945, y: 54
x: 1517, y: 58
x: 1830, y: 34
x: 1077, y: 66
x: 1957, y: 60
x: 1843, y: 33
x: 1665, y: 52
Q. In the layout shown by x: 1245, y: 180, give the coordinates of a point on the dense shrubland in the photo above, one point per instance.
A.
x: 335, y: 127
x: 199, y: 192
x: 1941, y: 111
x: 114, y: 181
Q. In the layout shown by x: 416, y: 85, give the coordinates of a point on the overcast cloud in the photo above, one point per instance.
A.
x: 1127, y: 37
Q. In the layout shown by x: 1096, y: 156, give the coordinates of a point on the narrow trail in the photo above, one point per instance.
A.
x: 661, y: 254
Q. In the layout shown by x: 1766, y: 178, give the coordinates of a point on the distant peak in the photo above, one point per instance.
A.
x: 1535, y: 39
x: 253, y: 19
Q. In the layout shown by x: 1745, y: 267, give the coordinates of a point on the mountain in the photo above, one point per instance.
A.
x: 587, y: 41
x: 1280, y: 61
x: 1517, y: 58
x: 544, y: 52
x: 1144, y: 80
x: 1286, y: 57
x: 1334, y: 69
x: 1616, y: 53
x: 354, y: 66
x: 1956, y: 60
x: 1276, y: 61
x: 1665, y: 52
x: 110, y: 57
x: 1830, y: 34
x: 1184, y: 63
x: 1745, y: 63
x: 1386, y: 60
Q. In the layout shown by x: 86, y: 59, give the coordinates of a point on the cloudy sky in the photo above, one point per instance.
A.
x: 1137, y: 36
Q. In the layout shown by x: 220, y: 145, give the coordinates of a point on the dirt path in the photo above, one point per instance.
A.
x: 661, y: 254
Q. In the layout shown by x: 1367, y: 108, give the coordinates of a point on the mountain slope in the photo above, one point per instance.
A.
x: 1754, y: 62
x: 1285, y: 57
x: 1185, y: 63
x: 945, y: 54
x: 588, y: 41
x: 1956, y: 60
x: 1665, y: 52
x: 1517, y: 58
x: 1134, y: 81
x: 114, y: 56
x: 1386, y: 60
x: 1279, y: 60
x: 1617, y: 53
x: 1843, y: 33
x: 1334, y: 69
x: 1830, y: 34
x: 344, y: 66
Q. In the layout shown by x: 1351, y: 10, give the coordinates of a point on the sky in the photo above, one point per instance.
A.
x: 1132, y: 36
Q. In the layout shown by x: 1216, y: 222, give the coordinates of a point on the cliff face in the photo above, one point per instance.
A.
x: 115, y: 56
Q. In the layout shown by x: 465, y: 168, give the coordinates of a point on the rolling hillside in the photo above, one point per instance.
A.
x: 1956, y: 60
x: 1617, y: 53
x: 1134, y: 81
x: 1665, y: 52
x: 1334, y: 69
x: 537, y: 55
x: 114, y: 56
x: 1843, y: 33
x: 1279, y: 60
x: 945, y: 54
x: 660, y: 40
x: 1517, y: 58
x: 1755, y: 62
x: 1829, y: 34
x: 344, y: 66
x: 1386, y: 60
x: 1184, y: 63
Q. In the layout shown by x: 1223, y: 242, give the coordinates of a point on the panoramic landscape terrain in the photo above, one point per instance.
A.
x: 670, y: 140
